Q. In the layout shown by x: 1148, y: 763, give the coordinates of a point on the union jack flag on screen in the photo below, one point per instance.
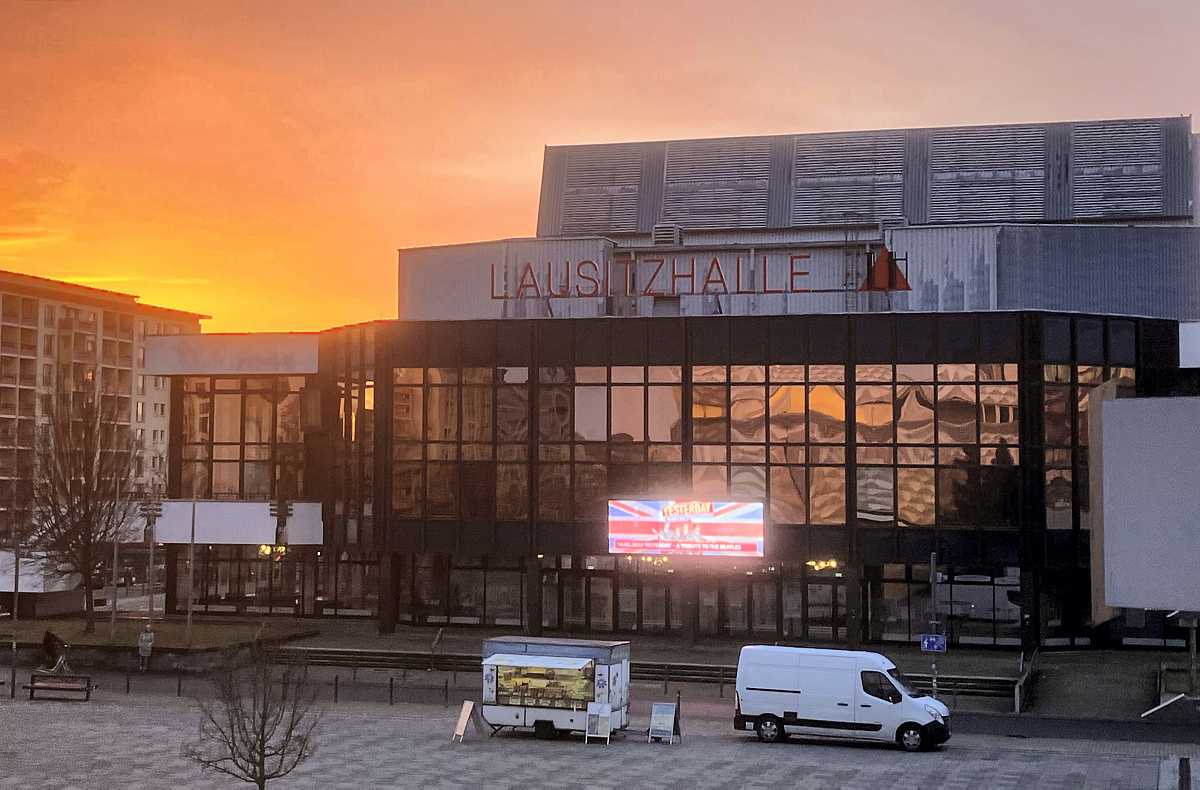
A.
x: 729, y: 529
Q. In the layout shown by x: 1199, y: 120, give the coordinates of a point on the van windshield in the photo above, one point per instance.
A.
x: 900, y: 682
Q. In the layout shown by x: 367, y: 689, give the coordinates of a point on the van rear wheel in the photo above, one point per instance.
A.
x: 769, y: 729
x: 911, y: 738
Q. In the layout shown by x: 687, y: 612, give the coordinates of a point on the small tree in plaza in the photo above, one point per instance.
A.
x: 261, y: 724
x: 80, y: 491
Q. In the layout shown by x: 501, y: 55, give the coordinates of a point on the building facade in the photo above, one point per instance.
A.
x: 890, y: 339
x: 59, y: 337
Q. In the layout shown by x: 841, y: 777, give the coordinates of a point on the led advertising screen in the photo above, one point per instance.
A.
x: 723, y: 529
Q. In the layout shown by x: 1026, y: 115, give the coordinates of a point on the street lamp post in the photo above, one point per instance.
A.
x: 12, y: 681
x: 191, y: 575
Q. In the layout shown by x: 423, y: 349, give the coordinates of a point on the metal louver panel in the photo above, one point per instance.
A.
x: 717, y: 183
x: 601, y: 189
x: 840, y: 177
x: 987, y: 173
x: 1117, y: 169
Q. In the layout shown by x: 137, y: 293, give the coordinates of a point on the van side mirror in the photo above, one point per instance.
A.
x: 894, y: 696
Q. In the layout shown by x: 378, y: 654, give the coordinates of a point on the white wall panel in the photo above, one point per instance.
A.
x: 237, y: 523
x: 257, y: 353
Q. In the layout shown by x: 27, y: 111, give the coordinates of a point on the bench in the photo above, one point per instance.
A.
x: 46, y: 681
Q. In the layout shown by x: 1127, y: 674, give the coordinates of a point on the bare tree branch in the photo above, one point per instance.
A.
x: 261, y: 724
x: 81, y: 493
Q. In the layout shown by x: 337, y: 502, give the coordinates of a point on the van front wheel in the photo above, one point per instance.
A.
x: 769, y: 730
x: 911, y: 738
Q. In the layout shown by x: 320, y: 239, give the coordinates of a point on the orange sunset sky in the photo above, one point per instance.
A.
x: 262, y: 161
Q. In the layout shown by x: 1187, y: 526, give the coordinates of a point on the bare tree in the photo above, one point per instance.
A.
x: 81, y: 488
x: 261, y: 724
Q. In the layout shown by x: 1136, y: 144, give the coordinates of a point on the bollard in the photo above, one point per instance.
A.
x: 455, y: 676
x: 721, y: 683
x: 178, y: 685
x: 391, y: 689
x: 127, y: 681
x: 446, y: 695
x: 664, y: 678
x: 335, y: 688
x: 403, y: 675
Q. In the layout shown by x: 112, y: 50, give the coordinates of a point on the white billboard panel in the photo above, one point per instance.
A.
x: 1151, y: 458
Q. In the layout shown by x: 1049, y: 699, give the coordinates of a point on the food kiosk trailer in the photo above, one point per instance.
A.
x: 547, y: 684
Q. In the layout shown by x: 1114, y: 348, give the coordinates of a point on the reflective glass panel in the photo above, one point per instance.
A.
x: 998, y: 372
x: 1058, y: 499
x: 709, y: 482
x: 512, y: 375
x: 591, y: 492
x: 787, y: 413
x: 829, y: 373
x: 709, y: 414
x: 826, y: 413
x: 914, y: 373
x: 407, y: 422
x: 225, y: 482
x: 666, y: 374
x: 748, y: 414
x: 227, y: 422
x: 664, y: 413
x: 873, y: 413
x: 998, y: 413
x: 408, y: 375
x: 748, y: 453
x: 591, y: 414
x: 666, y: 452
x: 554, y: 492
x: 591, y: 375
x: 876, y: 488
x: 708, y: 373
x: 257, y: 418
x: 786, y: 373
x: 512, y: 491
x: 827, y: 494
x: 628, y: 414
x: 287, y: 419
x: 626, y: 374
x: 442, y: 414
x: 915, y: 456
x: 1058, y: 416
x: 477, y: 414
x: 956, y: 372
x: 441, y: 493
x: 956, y: 413
x: 512, y: 414
x: 748, y: 483
x: 554, y: 414
x: 954, y: 497
x: 554, y: 375
x: 197, y: 418
x: 870, y: 373
x: 914, y: 494
x: 788, y: 492
x: 443, y: 375
x: 914, y: 404
x: 406, y: 489
x: 747, y: 373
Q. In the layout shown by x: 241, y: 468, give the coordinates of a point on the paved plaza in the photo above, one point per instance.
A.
x: 138, y: 744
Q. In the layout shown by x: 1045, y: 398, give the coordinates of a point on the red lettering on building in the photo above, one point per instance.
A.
x: 794, y: 272
x: 550, y: 292
x: 528, y: 280
x: 580, y: 275
x: 625, y: 276
x: 719, y: 278
x: 766, y: 269
x: 502, y: 294
x: 676, y: 277
x: 738, y: 278
x: 648, y: 290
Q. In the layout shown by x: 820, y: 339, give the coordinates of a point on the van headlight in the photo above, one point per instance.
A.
x: 935, y: 713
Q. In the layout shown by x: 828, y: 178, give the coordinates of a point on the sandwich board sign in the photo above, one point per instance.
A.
x: 664, y: 722
x: 599, y: 721
x: 468, y: 713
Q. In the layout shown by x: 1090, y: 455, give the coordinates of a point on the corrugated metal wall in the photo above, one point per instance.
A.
x: 1098, y: 170
x: 949, y: 269
x: 1149, y: 271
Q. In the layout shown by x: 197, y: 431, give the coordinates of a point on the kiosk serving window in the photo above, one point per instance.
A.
x: 543, y: 681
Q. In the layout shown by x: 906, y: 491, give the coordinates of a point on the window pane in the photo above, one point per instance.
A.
x: 915, y: 495
x: 709, y: 414
x: 873, y: 414
x: 257, y: 484
x: 827, y: 494
x: 1058, y: 499
x: 227, y: 424
x: 287, y: 419
x: 788, y: 492
x: 554, y: 492
x: 708, y: 373
x: 441, y: 495
x: 406, y: 489
x: 827, y: 413
x: 258, y: 418
x: 956, y: 413
x: 747, y: 373
x: 628, y: 414
x: 512, y: 414
x: 787, y: 413
x: 998, y: 414
x: 554, y: 414
x: 442, y: 414
x: 197, y: 417
x: 407, y: 422
x: 477, y: 414
x: 225, y: 482
x: 875, y: 491
x: 709, y: 482
x: 1058, y: 416
x: 512, y: 491
x: 748, y: 483
x: 748, y: 414
x: 591, y: 492
x: 194, y: 476
x: 665, y: 414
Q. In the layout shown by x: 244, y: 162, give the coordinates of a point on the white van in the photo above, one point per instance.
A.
x: 838, y: 693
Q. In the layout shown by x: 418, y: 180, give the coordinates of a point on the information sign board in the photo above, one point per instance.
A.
x: 599, y: 721
x: 933, y: 643
x: 664, y: 722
